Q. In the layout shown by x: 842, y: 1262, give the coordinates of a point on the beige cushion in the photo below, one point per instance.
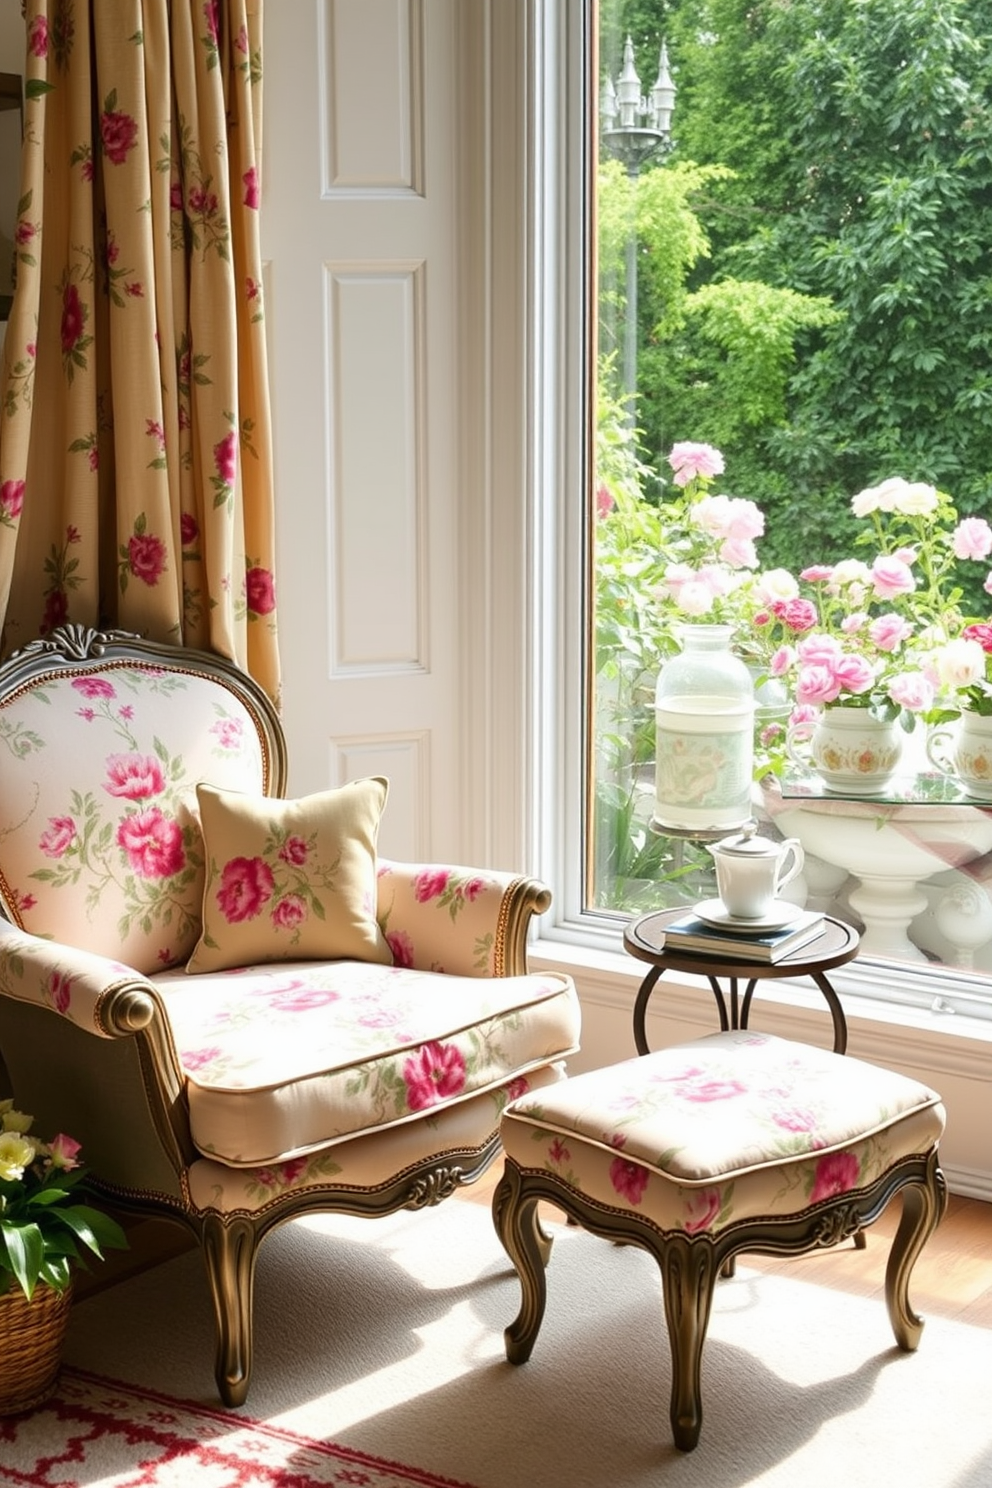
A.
x: 281, y: 1061
x: 726, y: 1128
x: 290, y: 880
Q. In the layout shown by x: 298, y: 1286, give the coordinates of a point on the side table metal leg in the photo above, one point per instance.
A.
x: 836, y: 1011
x: 640, y: 1009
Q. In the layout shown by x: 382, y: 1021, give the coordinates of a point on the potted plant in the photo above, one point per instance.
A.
x: 45, y: 1228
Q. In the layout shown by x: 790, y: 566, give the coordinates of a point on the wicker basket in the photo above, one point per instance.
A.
x: 31, y: 1337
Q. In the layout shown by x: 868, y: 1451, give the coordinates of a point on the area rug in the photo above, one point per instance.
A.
x: 379, y: 1350
x: 97, y: 1430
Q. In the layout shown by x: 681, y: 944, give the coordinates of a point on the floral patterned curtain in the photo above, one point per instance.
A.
x: 135, y: 450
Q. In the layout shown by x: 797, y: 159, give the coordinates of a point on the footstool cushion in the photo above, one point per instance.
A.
x: 737, y: 1141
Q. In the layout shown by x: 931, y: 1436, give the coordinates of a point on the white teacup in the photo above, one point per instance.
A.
x: 752, y: 871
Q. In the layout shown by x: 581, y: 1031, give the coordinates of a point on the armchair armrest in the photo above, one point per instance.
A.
x: 96, y: 994
x: 463, y: 921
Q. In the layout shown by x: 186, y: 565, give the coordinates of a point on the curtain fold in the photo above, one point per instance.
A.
x: 136, y: 484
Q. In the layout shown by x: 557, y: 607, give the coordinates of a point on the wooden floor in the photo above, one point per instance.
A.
x: 952, y: 1278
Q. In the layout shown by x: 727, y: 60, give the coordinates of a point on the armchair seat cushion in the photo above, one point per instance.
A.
x: 283, y: 1060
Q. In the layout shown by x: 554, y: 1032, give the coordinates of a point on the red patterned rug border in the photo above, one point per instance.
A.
x: 237, y: 1420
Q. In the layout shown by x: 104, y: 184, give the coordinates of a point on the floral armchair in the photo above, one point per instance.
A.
x: 239, y: 1010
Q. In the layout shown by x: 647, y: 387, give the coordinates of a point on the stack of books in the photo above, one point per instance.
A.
x: 697, y: 938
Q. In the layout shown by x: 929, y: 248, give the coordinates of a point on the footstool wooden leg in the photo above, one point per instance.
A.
x: 529, y: 1248
x: 922, y: 1207
x: 688, y: 1275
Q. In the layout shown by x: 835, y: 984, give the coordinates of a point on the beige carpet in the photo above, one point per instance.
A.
x: 386, y: 1336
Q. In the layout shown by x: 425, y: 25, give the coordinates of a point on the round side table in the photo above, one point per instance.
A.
x: 645, y: 939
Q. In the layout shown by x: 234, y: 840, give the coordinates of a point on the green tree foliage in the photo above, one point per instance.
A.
x: 858, y: 139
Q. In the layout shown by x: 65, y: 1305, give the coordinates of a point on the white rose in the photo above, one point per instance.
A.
x: 960, y: 664
x: 916, y: 499
x: 849, y: 571
x: 775, y: 583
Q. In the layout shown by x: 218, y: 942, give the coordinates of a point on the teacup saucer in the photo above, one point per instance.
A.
x: 714, y: 912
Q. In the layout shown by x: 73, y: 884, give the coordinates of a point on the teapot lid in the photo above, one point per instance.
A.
x: 747, y: 844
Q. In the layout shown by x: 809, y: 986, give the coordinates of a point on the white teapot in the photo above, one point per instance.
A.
x: 751, y: 871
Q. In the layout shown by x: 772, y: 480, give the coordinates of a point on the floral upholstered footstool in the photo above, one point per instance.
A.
x: 736, y: 1142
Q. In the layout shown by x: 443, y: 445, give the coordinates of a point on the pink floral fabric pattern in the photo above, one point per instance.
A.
x: 141, y: 183
x: 728, y: 1127
x: 290, y: 879
x: 119, y: 863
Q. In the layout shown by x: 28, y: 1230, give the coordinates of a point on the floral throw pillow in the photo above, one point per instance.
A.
x: 290, y: 880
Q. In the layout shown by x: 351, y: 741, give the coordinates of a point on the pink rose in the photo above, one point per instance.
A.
x: 795, y: 1119
x: 820, y: 650
x: 629, y: 1179
x: 252, y: 192
x: 783, y: 659
x: 912, y: 691
x: 430, y: 884
x: 64, y: 1152
x: 153, y: 843
x: 817, y: 573
x: 195, y: 1059
x: 12, y: 498
x: 226, y: 458
x: 604, y: 502
x: 93, y: 687
x: 854, y: 674
x: 56, y: 610
x: 797, y: 615
x: 119, y: 133
x: 817, y: 684
x: 689, y: 460
x: 701, y: 1211
x: 260, y: 591
x: 712, y: 1090
x: 739, y: 552
x: 60, y: 991
x: 58, y: 836
x: 38, y: 37
x: 176, y: 197
x: 836, y: 1173
x: 980, y: 632
x: 189, y: 529
x: 302, y: 999
x: 294, y: 851
x: 246, y: 884
x: 228, y: 732
x: 134, y: 776
x: 401, y: 946
x: 146, y: 557
x: 972, y: 538
x: 210, y: 16
x: 436, y: 1073
x: 891, y: 576
x: 888, y: 632
x: 290, y: 912
x: 72, y: 319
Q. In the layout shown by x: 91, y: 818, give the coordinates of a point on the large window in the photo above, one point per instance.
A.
x: 792, y: 220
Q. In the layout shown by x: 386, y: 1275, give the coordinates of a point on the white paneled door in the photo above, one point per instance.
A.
x: 359, y: 235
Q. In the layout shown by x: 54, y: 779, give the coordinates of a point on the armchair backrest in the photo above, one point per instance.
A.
x: 103, y: 739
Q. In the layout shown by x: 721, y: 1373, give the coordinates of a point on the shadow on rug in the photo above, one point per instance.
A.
x: 383, y: 1339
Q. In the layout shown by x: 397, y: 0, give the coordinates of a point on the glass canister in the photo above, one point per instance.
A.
x: 704, y: 739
